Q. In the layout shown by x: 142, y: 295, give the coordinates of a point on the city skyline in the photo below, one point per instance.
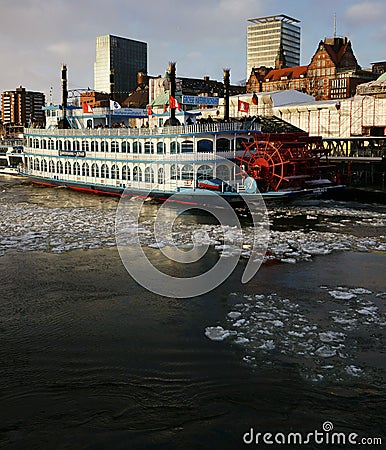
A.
x: 202, y: 38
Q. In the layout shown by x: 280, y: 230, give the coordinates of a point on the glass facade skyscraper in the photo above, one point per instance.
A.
x: 269, y: 36
x: 125, y: 57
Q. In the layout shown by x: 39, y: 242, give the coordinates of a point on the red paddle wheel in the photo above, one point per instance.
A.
x: 282, y: 160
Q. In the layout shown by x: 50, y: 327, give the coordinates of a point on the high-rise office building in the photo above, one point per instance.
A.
x: 271, y: 39
x: 116, y: 65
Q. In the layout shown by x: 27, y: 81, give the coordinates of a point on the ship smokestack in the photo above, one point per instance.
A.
x: 64, y: 91
x: 226, y: 93
x: 172, y: 80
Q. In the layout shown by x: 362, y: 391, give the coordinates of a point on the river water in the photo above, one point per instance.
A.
x: 89, y: 359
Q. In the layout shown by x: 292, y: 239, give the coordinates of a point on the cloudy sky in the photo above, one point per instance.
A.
x: 202, y: 36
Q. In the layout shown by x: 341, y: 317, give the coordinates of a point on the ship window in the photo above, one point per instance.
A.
x: 85, y: 146
x: 125, y: 147
x: 52, y: 166
x: 174, y: 172
x: 187, y: 172
x: 59, y: 167
x: 137, y: 174
x: 223, y: 172
x: 149, y: 147
x: 161, y: 176
x: 67, y: 145
x: 149, y: 175
x: 204, y: 172
x: 239, y: 143
x: 104, y: 146
x: 161, y: 148
x: 95, y: 170
x: 44, y: 165
x: 76, y: 145
x: 114, y: 146
x: 223, y: 145
x: 85, y: 170
x: 187, y: 147
x: 125, y: 173
x: 114, y: 172
x: 175, y: 147
x: 105, y: 171
x: 205, y: 146
x: 137, y: 147
x: 67, y: 168
x: 44, y: 144
x: 36, y: 143
x: 51, y: 145
x: 76, y: 168
x: 59, y: 145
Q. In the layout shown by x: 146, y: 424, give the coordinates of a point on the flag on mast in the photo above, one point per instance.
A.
x: 87, y: 108
x: 255, y: 100
x: 114, y: 105
x: 174, y: 103
x: 243, y: 106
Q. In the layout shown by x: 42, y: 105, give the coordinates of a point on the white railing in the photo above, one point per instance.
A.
x: 216, y: 127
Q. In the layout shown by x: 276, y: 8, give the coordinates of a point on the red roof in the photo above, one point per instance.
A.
x: 291, y: 73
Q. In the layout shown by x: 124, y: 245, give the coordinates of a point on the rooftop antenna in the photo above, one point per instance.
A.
x: 334, y: 25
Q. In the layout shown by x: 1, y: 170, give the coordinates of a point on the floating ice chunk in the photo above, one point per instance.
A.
x: 234, y: 314
x: 239, y: 323
x: 268, y: 345
x: 325, y: 352
x: 276, y: 323
x: 295, y: 334
x: 241, y: 340
x: 331, y: 336
x: 354, y: 371
x: 288, y: 260
x: 360, y: 291
x: 369, y: 311
x: 341, y: 295
x: 217, y: 333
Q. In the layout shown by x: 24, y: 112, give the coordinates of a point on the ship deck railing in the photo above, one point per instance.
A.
x: 216, y: 127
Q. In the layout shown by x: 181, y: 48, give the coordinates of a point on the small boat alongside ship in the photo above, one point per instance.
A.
x: 11, y: 156
x: 103, y: 153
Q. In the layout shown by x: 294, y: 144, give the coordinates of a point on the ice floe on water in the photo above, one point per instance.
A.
x: 270, y: 329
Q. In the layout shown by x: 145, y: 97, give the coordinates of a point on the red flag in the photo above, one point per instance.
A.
x: 255, y: 100
x: 165, y: 108
x: 243, y: 106
x: 87, y: 108
x: 149, y: 111
x: 173, y: 103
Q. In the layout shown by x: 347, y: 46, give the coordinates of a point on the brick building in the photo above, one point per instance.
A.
x: 333, y: 73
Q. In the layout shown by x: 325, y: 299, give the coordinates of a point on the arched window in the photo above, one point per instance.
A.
x: 205, y: 146
x: 59, y: 145
x: 94, y: 146
x: 223, y: 145
x: 76, y: 168
x: 149, y: 147
x: 223, y: 172
x: 59, y: 167
x: 161, y: 148
x: 187, y: 172
x: 114, y: 146
x: 114, y: 172
x: 149, y: 175
x: 76, y: 145
x: 44, y: 144
x: 137, y: 147
x: 125, y: 173
x: 51, y: 144
x: 104, y: 146
x: 105, y: 171
x: 36, y: 143
x: 125, y: 147
x: 175, y: 147
x: 67, y: 167
x: 67, y: 145
x: 85, y: 170
x: 137, y: 174
x: 85, y: 146
x: 44, y: 165
x: 95, y: 170
x: 174, y: 172
x: 187, y: 147
x: 51, y: 165
x: 161, y: 175
x: 204, y: 172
